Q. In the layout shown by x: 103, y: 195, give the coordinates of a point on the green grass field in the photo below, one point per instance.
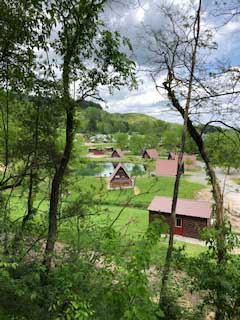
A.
x: 143, y: 193
x: 103, y: 206
x: 131, y: 223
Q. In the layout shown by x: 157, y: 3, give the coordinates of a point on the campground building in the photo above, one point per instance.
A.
x: 117, y: 154
x: 120, y: 178
x: 188, y: 159
x: 167, y: 168
x: 150, y: 154
x: 191, y: 215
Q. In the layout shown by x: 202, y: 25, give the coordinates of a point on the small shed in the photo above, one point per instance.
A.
x: 167, y: 168
x: 120, y: 178
x: 150, y: 154
x: 117, y: 153
x: 188, y: 159
x: 191, y: 215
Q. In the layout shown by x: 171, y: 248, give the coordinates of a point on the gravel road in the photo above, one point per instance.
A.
x: 230, y: 189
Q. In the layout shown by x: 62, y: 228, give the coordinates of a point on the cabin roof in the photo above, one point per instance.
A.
x: 119, y: 152
x: 152, y: 153
x: 185, y: 207
x: 166, y: 168
x: 119, y: 166
x: 186, y: 156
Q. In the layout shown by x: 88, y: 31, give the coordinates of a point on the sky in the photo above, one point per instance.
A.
x: 129, y: 20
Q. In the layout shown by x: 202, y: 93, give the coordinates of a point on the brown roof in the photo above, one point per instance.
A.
x: 186, y: 156
x: 152, y: 153
x: 119, y: 166
x: 185, y: 207
x: 166, y: 167
x: 119, y: 152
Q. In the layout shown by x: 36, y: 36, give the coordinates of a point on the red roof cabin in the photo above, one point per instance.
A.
x: 98, y: 152
x: 191, y: 215
x: 117, y: 153
x: 167, y: 168
x: 120, y: 178
x: 150, y: 154
x: 188, y: 159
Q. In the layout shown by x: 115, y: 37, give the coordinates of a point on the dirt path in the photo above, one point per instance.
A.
x: 230, y: 188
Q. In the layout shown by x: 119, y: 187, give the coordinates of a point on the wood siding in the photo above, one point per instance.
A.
x: 191, y: 226
x: 98, y: 152
x: 121, y: 179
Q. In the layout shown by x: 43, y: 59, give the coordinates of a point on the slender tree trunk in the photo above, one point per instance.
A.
x: 60, y: 171
x: 32, y: 178
x: 167, y: 264
x: 228, y: 170
x: 217, y: 195
x: 29, y: 202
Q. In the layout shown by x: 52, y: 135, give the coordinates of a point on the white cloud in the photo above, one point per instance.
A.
x: 146, y: 100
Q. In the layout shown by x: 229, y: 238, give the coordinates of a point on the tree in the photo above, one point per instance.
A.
x: 121, y: 140
x: 93, y: 116
x: 223, y: 149
x: 174, y: 47
x: 19, y: 39
x: 137, y: 143
x: 82, y: 39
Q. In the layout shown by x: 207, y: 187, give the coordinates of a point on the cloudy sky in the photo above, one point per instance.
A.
x: 129, y: 20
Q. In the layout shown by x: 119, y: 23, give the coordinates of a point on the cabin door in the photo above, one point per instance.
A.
x: 178, y: 226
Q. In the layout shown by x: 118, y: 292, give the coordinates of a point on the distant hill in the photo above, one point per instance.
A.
x: 87, y: 104
x: 93, y: 119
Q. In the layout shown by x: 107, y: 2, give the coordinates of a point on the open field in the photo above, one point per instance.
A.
x: 145, y: 189
x: 131, y: 223
x: 129, y: 206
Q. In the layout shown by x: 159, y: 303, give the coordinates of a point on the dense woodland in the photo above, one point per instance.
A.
x: 70, y: 248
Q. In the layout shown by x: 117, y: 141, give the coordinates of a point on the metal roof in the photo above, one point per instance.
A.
x: 119, y: 152
x: 166, y: 167
x: 185, y: 207
x: 186, y: 156
x: 152, y: 153
x: 119, y: 166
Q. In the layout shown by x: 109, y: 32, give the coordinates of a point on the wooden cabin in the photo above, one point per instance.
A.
x: 98, y: 152
x: 117, y: 153
x: 188, y: 159
x: 191, y: 215
x: 120, y: 178
x: 150, y: 154
x: 167, y: 168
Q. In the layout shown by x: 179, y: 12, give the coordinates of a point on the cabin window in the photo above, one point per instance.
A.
x: 178, y: 222
x: 117, y: 176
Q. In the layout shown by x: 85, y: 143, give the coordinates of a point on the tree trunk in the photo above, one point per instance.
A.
x: 217, y: 195
x: 228, y: 170
x: 60, y: 171
x: 166, y: 270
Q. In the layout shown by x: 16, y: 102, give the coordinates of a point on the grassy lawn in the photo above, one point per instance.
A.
x: 103, y: 206
x: 145, y: 189
x: 132, y: 223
